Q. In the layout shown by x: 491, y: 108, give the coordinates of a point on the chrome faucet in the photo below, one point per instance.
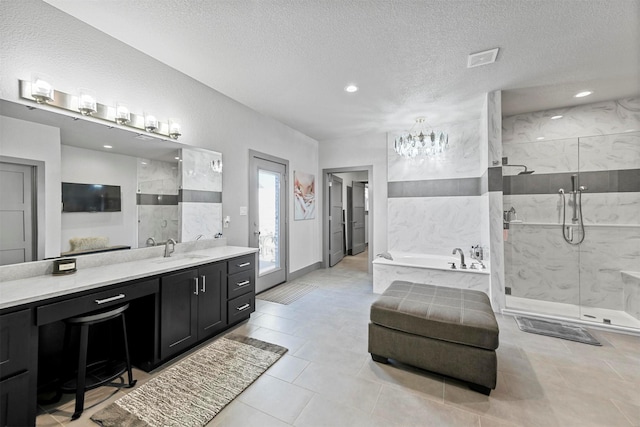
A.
x: 462, y: 264
x: 167, y: 252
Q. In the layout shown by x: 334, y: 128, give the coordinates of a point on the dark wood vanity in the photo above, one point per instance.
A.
x: 169, y: 313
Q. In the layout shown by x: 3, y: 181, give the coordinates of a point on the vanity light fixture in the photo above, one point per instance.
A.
x: 556, y: 117
x: 174, y: 128
x: 87, y: 104
x: 123, y: 116
x: 216, y: 166
x: 419, y: 142
x: 582, y: 94
x: 150, y: 122
x: 41, y: 89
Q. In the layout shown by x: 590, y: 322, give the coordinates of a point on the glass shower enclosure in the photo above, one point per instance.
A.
x: 572, y: 227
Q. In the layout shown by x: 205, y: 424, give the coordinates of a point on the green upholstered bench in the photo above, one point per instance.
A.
x: 446, y: 330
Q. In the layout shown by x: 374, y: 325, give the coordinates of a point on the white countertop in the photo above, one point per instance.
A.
x: 39, y: 288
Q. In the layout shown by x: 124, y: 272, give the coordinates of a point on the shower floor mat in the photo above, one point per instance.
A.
x: 562, y: 330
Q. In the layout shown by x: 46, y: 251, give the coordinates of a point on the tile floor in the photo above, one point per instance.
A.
x: 327, y: 378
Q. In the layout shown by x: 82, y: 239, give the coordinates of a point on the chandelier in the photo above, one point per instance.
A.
x: 419, y: 142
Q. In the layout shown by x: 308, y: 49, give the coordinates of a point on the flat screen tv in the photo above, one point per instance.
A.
x: 90, y: 197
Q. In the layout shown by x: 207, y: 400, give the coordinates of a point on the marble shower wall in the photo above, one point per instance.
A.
x: 601, y: 142
x: 157, y: 200
x: 200, y: 205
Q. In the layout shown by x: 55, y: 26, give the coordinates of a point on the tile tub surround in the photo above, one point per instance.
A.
x: 21, y: 284
x: 386, y: 272
x: 328, y: 379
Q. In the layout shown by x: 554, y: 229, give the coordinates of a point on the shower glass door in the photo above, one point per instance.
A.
x: 572, y: 227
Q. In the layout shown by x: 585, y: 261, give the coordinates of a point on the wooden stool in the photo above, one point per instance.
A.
x: 100, y: 373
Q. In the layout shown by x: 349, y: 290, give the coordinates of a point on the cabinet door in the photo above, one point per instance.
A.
x: 14, y: 342
x: 212, y: 307
x: 179, y: 305
x: 14, y: 395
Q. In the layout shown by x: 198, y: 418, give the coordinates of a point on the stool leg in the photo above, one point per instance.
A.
x: 82, y: 371
x: 132, y: 382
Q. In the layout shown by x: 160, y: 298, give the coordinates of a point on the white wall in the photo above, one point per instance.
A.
x: 76, y: 55
x: 97, y: 167
x: 364, y: 150
x: 28, y: 140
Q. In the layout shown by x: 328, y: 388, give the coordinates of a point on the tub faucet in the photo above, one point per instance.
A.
x: 462, y: 264
x: 167, y: 252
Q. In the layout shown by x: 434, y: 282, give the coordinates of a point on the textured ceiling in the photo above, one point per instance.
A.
x: 291, y: 59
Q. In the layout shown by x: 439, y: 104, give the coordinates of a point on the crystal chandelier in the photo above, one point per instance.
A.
x: 419, y: 142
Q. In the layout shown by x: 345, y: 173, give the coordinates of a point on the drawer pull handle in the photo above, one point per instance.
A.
x: 244, y: 264
x: 243, y: 307
x: 241, y: 284
x: 106, y: 300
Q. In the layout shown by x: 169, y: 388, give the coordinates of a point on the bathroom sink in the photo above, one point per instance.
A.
x: 176, y: 258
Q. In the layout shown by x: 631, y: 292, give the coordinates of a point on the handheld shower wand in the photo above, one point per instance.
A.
x: 567, y: 230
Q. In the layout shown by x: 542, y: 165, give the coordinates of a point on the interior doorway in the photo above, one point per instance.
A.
x: 348, y: 214
x: 17, y: 213
x: 268, y: 222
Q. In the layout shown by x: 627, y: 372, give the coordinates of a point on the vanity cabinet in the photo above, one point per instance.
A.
x: 15, y: 354
x: 192, y: 308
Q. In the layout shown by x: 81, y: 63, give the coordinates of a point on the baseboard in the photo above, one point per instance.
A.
x: 306, y: 270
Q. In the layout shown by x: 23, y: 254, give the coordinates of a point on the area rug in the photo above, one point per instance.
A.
x: 194, y: 390
x: 286, y: 293
x: 556, y: 329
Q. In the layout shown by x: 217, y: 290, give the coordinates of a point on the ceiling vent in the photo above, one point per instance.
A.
x: 482, y: 58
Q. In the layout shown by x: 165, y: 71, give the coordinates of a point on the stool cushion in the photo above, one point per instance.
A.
x: 99, y: 315
x: 461, y: 316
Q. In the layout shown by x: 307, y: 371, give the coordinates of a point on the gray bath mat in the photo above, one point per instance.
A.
x: 565, y: 331
x: 286, y: 293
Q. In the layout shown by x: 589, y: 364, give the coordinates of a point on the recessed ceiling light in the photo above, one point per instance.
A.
x: 351, y: 88
x: 177, y: 158
x: 107, y: 146
x: 582, y: 94
x: 540, y: 138
x: 556, y: 117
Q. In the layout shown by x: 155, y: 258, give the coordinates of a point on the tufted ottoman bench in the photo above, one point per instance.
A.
x: 445, y: 330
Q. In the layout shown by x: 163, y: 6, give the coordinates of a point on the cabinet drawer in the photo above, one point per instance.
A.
x: 242, y: 263
x: 241, y: 308
x: 240, y: 283
x: 75, y: 306
x: 14, y: 342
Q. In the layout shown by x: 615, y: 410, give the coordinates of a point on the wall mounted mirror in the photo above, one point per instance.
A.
x: 167, y: 189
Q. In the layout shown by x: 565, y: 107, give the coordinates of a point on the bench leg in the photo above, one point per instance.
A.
x: 379, y: 359
x: 480, y: 389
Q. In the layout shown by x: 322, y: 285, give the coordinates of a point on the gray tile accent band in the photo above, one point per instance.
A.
x: 156, y: 199
x: 435, y: 188
x: 612, y: 181
x: 200, y: 196
x: 495, y: 178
